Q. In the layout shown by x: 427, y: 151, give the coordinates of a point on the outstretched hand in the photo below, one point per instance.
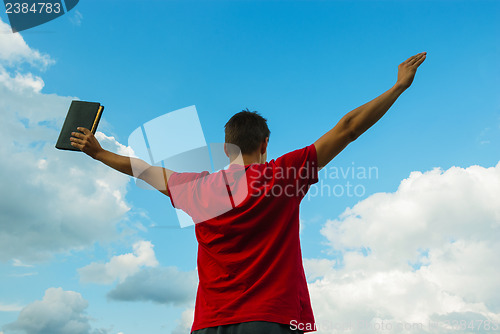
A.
x: 86, y: 142
x: 408, y: 68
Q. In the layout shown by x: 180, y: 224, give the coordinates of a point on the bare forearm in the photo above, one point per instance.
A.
x: 362, y: 118
x: 154, y: 175
x: 357, y: 121
x: 122, y: 163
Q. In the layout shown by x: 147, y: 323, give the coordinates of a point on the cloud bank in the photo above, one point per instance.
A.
x: 164, y: 285
x: 120, y: 266
x: 59, y: 312
x: 50, y: 201
x: 425, y: 255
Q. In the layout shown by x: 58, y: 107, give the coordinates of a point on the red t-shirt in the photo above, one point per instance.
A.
x: 249, y: 255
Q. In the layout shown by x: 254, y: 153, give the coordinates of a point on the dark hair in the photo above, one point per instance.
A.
x: 247, y: 130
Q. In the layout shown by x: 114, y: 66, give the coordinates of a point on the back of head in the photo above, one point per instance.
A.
x: 247, y: 130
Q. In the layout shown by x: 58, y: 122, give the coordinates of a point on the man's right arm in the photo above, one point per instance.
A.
x: 155, y: 176
x: 357, y: 121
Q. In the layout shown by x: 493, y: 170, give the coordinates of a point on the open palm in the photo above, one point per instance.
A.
x: 408, y: 68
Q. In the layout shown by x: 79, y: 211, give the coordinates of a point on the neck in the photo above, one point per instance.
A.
x: 248, y: 159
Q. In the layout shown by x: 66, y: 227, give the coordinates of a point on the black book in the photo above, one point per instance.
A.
x: 80, y: 114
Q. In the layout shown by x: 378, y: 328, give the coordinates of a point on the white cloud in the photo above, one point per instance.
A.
x: 24, y: 274
x: 14, y: 50
x: 10, y: 307
x: 428, y: 210
x: 21, y: 83
x: 120, y: 266
x: 315, y: 268
x: 59, y: 312
x: 164, y: 285
x: 185, y: 322
x: 76, y: 18
x: 120, y: 148
x: 50, y: 201
x: 427, y: 252
x: 18, y: 263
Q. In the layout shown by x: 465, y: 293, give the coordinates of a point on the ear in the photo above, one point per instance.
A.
x: 225, y: 150
x: 263, y: 146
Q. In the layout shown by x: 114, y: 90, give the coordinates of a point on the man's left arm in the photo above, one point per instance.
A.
x: 357, y: 121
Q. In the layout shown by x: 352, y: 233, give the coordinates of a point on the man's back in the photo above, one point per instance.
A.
x: 252, y: 276
x: 249, y: 258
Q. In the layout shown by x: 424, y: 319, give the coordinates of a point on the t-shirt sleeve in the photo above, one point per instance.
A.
x: 299, y: 166
x: 201, y: 195
x: 183, y: 189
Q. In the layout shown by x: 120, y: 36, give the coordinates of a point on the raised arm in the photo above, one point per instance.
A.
x: 155, y: 176
x: 357, y: 121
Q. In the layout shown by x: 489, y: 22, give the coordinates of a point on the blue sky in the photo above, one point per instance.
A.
x: 303, y: 65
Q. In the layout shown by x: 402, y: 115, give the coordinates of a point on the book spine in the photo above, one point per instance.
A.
x: 96, y: 120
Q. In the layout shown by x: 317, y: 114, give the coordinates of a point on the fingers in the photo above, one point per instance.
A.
x: 420, y: 61
x: 410, y: 59
x: 75, y: 144
x: 84, y: 130
x: 78, y: 143
x: 407, y: 61
x: 78, y: 135
x: 416, y: 58
x: 78, y: 139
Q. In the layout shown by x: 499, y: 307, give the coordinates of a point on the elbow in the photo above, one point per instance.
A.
x: 350, y: 130
x: 352, y: 135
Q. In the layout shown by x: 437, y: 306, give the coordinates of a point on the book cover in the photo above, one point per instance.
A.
x: 80, y: 114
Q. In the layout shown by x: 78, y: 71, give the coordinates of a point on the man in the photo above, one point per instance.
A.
x: 251, y: 278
